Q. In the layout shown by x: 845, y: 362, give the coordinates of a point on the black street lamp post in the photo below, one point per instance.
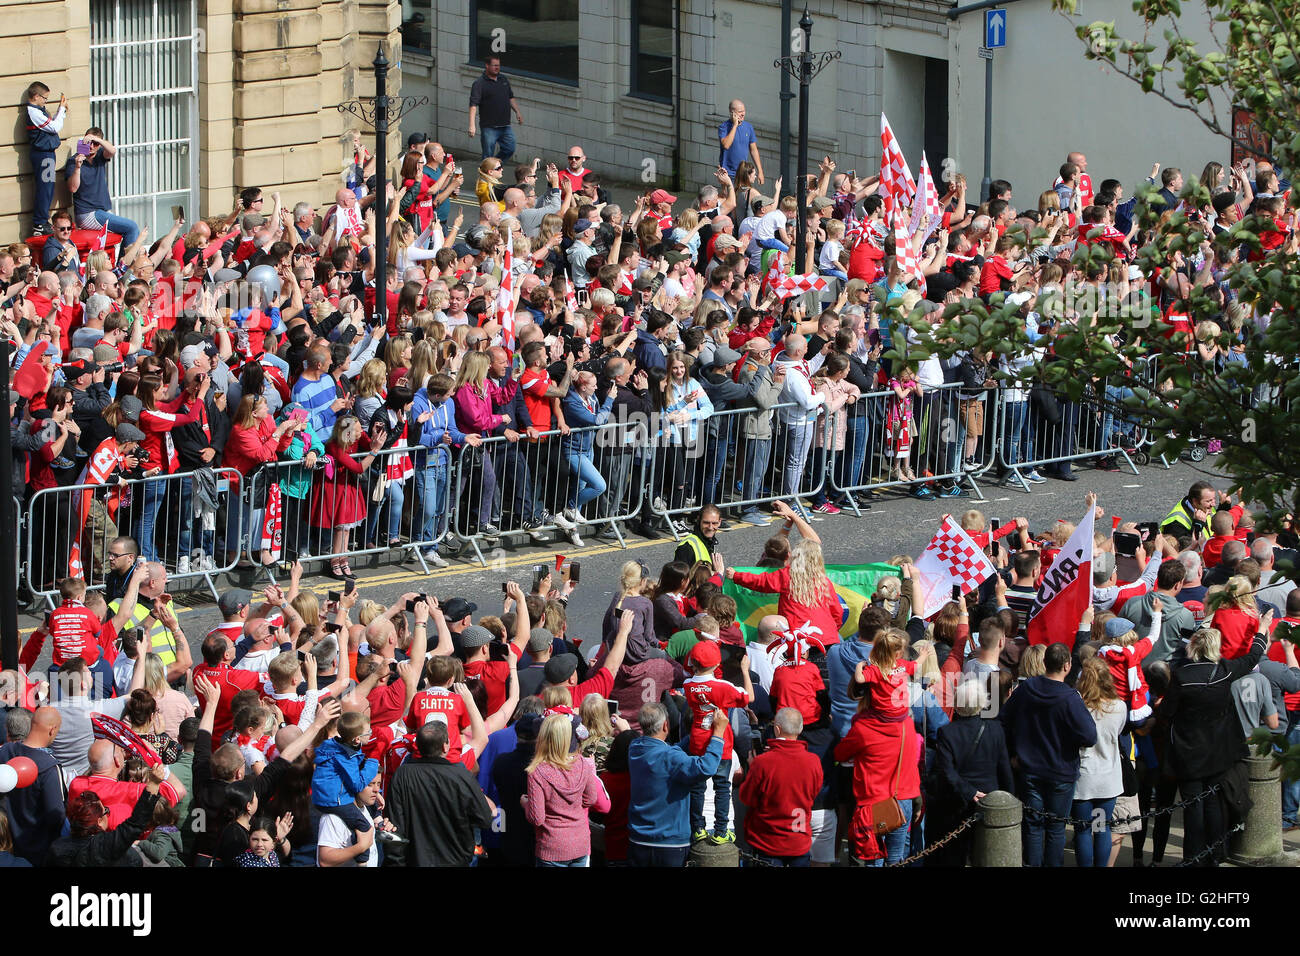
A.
x: 379, y: 113
x: 804, y: 69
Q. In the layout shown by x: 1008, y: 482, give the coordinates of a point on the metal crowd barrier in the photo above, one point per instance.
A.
x: 517, y: 487
x: 75, y: 525
x: 289, y: 511
x: 868, y: 460
x: 1046, y: 429
x: 724, y: 462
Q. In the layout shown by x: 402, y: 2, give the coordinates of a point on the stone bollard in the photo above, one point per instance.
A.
x: 997, y: 836
x: 706, y: 853
x: 1260, y: 844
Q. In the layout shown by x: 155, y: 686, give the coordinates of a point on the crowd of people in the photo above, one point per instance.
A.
x: 230, y: 395
x: 430, y: 733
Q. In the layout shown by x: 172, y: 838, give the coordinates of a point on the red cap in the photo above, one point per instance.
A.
x: 662, y: 195
x: 705, y: 654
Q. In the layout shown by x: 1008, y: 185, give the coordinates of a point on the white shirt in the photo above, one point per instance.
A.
x: 761, y: 664
x: 334, y: 833
x: 798, y: 389
x: 769, y: 224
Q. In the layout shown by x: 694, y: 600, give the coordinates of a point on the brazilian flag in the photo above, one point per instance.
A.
x: 854, y: 583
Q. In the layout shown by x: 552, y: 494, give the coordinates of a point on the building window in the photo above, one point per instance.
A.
x: 537, y: 37
x: 417, y: 27
x: 143, y: 96
x: 652, y: 49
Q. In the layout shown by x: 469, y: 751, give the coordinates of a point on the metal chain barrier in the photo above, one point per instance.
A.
x: 1209, y: 850
x: 961, y: 828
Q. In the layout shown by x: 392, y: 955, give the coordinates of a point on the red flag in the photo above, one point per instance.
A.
x: 570, y: 297
x: 33, y: 378
x: 505, y: 295
x: 786, y: 286
x: 102, y: 241
x: 896, y: 184
x: 951, y: 558
x: 110, y: 728
x: 1066, y: 590
x: 271, y: 532
x: 106, y: 460
x: 772, y: 275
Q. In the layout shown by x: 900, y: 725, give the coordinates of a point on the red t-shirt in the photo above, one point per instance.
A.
x: 709, y: 699
x: 439, y: 703
x: 119, y: 797
x: 229, y: 683
x: 994, y: 273
x: 534, y: 383
x: 386, y: 703
x: 796, y: 685
x: 75, y: 629
x: 890, y: 698
x: 1275, y: 653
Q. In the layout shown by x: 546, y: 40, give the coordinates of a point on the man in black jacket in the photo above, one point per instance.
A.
x: 436, y: 805
x: 724, y: 393
x: 510, y: 776
x: 90, y: 396
x: 196, y: 449
x: 214, y: 772
x: 509, y: 458
x: 633, y: 409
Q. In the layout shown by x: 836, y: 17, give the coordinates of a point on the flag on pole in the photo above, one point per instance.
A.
x: 951, y: 558
x: 773, y: 274
x: 1066, y: 590
x: 908, y: 263
x: 896, y: 184
x: 854, y: 583
x: 101, y: 242
x: 506, y: 294
x: 926, y: 202
x: 570, y: 297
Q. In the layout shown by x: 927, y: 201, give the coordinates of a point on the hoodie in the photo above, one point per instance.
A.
x: 841, y: 661
x: 658, y: 812
x: 1047, y: 725
x: 557, y: 808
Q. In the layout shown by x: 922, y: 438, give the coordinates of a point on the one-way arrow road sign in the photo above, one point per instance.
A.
x: 995, y: 29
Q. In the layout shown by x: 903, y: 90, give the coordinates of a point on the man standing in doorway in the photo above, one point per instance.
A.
x: 491, y: 101
x: 739, y: 143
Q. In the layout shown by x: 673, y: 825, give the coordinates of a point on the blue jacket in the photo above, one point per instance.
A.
x: 648, y: 352
x: 443, y: 421
x: 1047, y: 725
x: 659, y: 808
x: 578, y: 415
x: 341, y: 773
x: 841, y: 660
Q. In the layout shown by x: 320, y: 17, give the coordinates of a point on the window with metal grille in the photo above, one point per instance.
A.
x: 143, y: 75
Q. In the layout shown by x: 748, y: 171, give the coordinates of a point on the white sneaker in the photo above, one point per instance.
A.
x: 182, y: 566
x: 435, y: 559
x: 575, y: 516
x: 659, y: 506
x: 575, y: 540
x: 562, y: 521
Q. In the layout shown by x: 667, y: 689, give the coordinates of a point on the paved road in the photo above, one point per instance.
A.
x: 896, y: 525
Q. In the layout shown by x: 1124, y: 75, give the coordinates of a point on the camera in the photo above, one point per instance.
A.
x: 112, y: 368
x: 142, y: 454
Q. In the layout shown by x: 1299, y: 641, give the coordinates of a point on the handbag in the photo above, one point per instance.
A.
x: 379, y: 489
x: 1045, y: 403
x: 887, y: 815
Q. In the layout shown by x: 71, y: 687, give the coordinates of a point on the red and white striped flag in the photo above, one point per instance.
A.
x: 926, y: 202
x: 773, y: 274
x: 896, y: 184
x: 1066, y: 590
x: 786, y: 286
x: 102, y: 241
x: 951, y: 558
x: 506, y: 294
x: 570, y: 297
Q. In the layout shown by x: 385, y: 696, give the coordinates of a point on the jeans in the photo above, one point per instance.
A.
x: 431, y: 485
x: 515, y: 478
x: 1060, y: 441
x: 717, y: 462
x: 895, y: 841
x: 721, y: 798
x: 618, y: 464
x: 590, y: 483
x: 1092, y: 831
x: 1115, y: 395
x: 497, y: 141
x: 849, y: 462
x: 477, y: 472
x: 151, y: 502
x: 754, y: 858
x: 1044, y: 841
x: 207, y: 538
x: 1291, y: 788
x: 1018, y: 426
x: 773, y: 244
x: 757, y: 452
x: 638, y: 854
x: 798, y: 441
x: 394, y: 498
x: 45, y: 170
x: 580, y: 861
x: 124, y: 227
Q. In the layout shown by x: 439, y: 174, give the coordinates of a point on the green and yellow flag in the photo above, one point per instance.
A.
x: 855, y: 583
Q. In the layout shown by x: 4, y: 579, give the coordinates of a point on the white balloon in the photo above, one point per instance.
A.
x: 8, y: 778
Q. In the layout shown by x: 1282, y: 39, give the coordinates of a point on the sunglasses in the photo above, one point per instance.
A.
x: 574, y: 158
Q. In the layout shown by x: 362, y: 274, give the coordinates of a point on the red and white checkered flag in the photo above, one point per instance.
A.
x: 896, y: 184
x: 787, y: 286
x: 101, y: 241
x: 506, y: 295
x: 950, y: 558
x: 908, y: 263
x: 926, y: 202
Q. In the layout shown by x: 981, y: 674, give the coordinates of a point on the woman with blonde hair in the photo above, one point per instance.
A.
x: 475, y: 396
x: 630, y: 595
x: 1205, y: 739
x: 1232, y: 610
x: 601, y: 729
x: 397, y: 357
x: 423, y: 358
x: 173, y: 706
x: 407, y: 249
x: 562, y: 787
x: 308, y: 607
x: 489, y: 187
x: 808, y: 600
x: 1100, y: 782
x: 372, y: 386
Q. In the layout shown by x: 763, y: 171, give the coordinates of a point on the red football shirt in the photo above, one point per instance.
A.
x: 709, y: 699
x: 796, y: 685
x: 439, y: 703
x: 118, y: 796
